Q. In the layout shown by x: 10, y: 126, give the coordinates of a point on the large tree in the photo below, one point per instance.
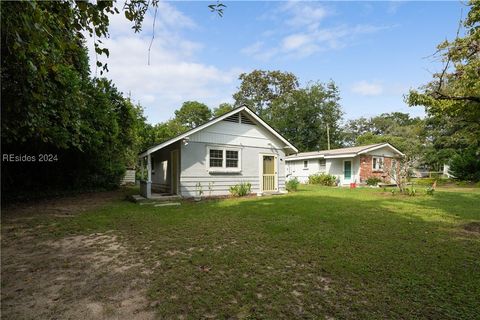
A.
x: 193, y: 114
x: 222, y: 109
x: 51, y: 105
x: 304, y: 115
x: 259, y: 88
x: 452, y: 98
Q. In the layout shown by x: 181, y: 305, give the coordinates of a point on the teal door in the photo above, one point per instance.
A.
x: 347, y: 170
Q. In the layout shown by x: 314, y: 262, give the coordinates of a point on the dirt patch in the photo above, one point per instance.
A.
x: 94, y: 276
x: 61, y: 207
x: 472, y: 227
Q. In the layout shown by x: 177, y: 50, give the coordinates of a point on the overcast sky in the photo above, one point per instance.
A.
x: 374, y: 51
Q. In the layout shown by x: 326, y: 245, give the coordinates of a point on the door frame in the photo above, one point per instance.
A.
x: 260, y: 170
x: 172, y: 171
x: 349, y: 180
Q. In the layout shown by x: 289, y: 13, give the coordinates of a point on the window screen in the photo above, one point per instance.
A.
x: 216, y: 158
x: 232, y: 158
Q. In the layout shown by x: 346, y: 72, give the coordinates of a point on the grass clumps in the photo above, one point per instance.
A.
x: 241, y: 189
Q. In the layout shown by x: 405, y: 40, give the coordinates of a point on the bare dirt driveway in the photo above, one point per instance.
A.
x: 93, y: 276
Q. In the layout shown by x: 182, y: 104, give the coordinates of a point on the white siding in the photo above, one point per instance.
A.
x: 297, y: 169
x: 333, y: 166
x: 336, y: 167
x: 230, y: 133
x: 252, y: 140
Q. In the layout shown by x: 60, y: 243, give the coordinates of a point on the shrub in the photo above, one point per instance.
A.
x: 466, y: 165
x: 242, y: 189
x: 411, y: 191
x: 292, y: 185
x: 373, y: 181
x: 430, y: 191
x: 323, y: 179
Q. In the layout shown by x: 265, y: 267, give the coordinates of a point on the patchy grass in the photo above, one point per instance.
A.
x: 318, y: 253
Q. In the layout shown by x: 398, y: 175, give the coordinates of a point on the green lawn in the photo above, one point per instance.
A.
x: 317, y: 253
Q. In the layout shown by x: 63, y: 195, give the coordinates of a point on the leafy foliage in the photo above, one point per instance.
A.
x: 373, y: 181
x: 303, y: 115
x: 292, y: 185
x: 323, y: 179
x: 399, y: 129
x: 50, y: 105
x: 259, y: 88
x: 241, y: 189
x: 452, y: 98
x: 193, y: 114
x: 222, y: 109
x: 466, y: 165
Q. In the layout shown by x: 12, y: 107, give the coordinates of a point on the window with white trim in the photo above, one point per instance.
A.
x: 223, y: 159
x: 377, y: 163
x: 305, y: 164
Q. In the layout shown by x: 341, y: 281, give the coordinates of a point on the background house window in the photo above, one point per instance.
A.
x: 377, y: 164
x: 216, y: 158
x: 305, y: 164
x: 322, y: 163
x: 232, y: 158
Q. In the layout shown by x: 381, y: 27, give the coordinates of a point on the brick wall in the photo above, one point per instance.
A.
x: 366, y: 168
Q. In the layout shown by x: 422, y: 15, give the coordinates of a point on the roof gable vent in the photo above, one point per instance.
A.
x: 233, y: 118
x: 246, y: 119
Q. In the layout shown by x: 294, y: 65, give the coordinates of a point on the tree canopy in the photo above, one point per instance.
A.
x: 259, y: 88
x: 51, y: 104
x: 399, y: 129
x: 303, y: 115
x: 222, y: 109
x: 452, y: 98
x: 193, y: 114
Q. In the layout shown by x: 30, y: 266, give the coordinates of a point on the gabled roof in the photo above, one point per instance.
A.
x: 288, y: 145
x: 342, y: 152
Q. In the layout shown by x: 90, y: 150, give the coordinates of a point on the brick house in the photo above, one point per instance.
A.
x: 353, y: 164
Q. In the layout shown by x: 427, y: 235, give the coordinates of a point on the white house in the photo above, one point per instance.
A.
x: 353, y: 164
x: 233, y: 148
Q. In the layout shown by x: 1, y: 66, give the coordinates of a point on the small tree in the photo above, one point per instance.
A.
x: 399, y: 171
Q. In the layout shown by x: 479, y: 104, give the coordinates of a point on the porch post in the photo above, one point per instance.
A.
x: 149, y: 176
x: 149, y: 168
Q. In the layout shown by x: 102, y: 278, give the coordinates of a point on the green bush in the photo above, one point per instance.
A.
x: 430, y: 191
x: 373, y: 181
x: 411, y: 191
x: 292, y: 185
x: 466, y: 165
x: 323, y: 179
x: 242, y: 189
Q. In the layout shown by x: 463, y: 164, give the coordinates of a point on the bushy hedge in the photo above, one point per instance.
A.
x: 292, y: 185
x: 242, y: 189
x: 323, y: 179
